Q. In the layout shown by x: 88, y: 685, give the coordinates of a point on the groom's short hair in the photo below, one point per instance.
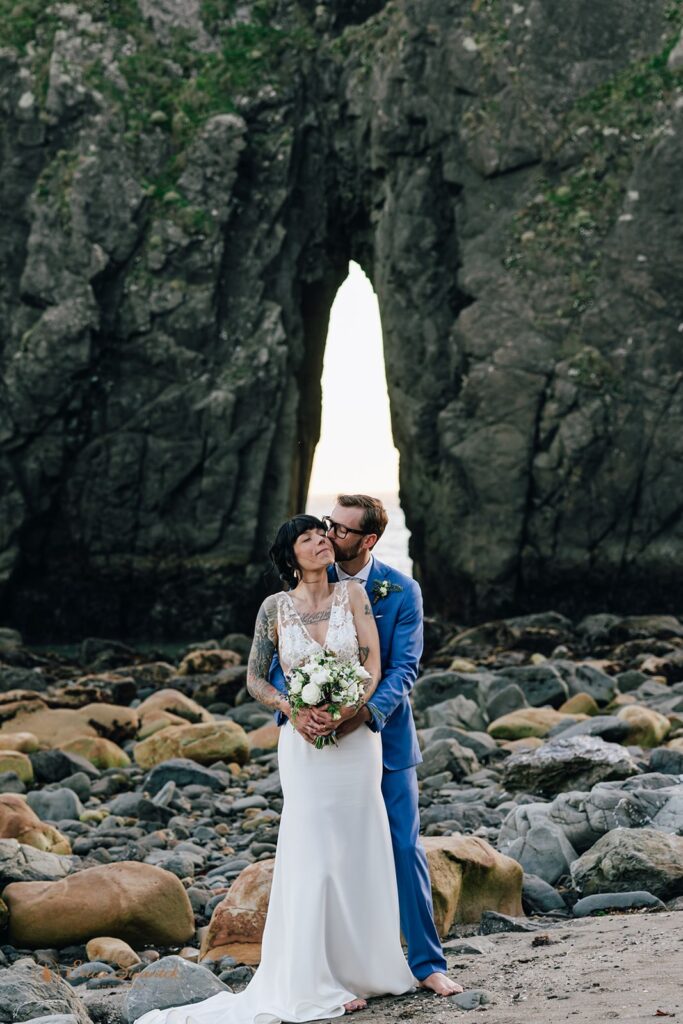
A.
x: 374, y: 519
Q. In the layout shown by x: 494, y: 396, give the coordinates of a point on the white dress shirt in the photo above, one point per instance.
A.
x: 362, y: 575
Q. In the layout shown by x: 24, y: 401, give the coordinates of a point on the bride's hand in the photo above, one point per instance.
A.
x: 306, y: 725
x: 326, y: 723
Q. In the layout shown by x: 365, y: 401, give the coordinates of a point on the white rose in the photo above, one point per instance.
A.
x: 362, y: 673
x: 310, y: 694
x: 319, y: 676
x: 295, y: 684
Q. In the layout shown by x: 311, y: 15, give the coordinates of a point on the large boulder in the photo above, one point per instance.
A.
x: 22, y: 863
x: 139, y: 903
x: 50, y: 726
x: 111, y: 951
x: 170, y: 981
x: 625, y: 860
x: 24, y: 741
x: 668, y: 760
x: 266, y: 737
x: 519, y: 820
x: 526, y: 722
x: 616, y: 901
x: 238, y: 920
x: 564, y: 764
x: 55, y: 804
x: 204, y: 743
x: 543, y: 850
x: 540, y: 632
x: 586, y: 678
x: 538, y: 897
x: 19, y: 821
x: 436, y: 687
x: 581, y: 704
x: 468, y: 877
x: 541, y: 684
x: 113, y: 721
x: 646, y: 728
x: 459, y: 712
x: 447, y: 755
x: 101, y: 752
x: 632, y: 803
x: 29, y: 991
x: 16, y: 761
x: 156, y: 720
x: 207, y: 660
x: 53, y: 765
x: 607, y: 727
x: 184, y: 772
x: 644, y: 627
x: 502, y: 700
x: 176, y: 703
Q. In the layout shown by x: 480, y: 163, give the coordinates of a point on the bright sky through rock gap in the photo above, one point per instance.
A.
x: 356, y: 450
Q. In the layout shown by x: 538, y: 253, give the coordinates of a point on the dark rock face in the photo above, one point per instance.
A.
x: 178, y: 223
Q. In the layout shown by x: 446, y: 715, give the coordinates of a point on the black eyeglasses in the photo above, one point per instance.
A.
x: 340, y: 529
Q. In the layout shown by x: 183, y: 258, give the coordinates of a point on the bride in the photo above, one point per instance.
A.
x: 332, y: 932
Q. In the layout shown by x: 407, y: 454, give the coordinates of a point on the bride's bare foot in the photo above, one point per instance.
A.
x: 441, y: 984
x: 355, y: 1004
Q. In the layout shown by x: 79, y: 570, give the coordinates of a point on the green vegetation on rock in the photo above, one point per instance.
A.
x: 173, y: 87
x: 570, y: 212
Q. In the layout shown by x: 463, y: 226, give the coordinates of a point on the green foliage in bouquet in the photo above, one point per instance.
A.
x: 324, y: 681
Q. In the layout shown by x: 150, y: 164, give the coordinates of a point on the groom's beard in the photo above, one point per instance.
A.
x: 346, y: 554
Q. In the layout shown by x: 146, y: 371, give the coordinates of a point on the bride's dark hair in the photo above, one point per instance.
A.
x: 282, y: 551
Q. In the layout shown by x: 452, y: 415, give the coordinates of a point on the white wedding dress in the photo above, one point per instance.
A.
x: 332, y: 932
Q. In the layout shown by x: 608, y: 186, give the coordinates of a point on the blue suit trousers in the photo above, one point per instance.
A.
x: 400, y: 792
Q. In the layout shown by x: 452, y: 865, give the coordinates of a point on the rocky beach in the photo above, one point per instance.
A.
x: 184, y: 184
x: 140, y: 801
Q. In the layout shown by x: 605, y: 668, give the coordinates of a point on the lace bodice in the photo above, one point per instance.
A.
x: 295, y: 643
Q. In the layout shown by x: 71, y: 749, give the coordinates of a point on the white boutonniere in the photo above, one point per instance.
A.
x: 382, y: 588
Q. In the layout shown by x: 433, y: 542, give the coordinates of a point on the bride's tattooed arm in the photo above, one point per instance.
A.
x: 260, y: 657
x: 262, y: 649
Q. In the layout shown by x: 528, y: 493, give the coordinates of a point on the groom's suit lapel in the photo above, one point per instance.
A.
x: 332, y: 573
x: 379, y: 572
x: 381, y: 609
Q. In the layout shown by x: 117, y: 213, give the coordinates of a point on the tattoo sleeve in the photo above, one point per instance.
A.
x: 262, y: 650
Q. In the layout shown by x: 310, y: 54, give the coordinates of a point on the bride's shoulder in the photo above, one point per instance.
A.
x: 269, y: 605
x: 356, y: 593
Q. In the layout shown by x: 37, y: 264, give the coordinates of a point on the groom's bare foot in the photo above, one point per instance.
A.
x: 355, y: 1004
x: 441, y: 984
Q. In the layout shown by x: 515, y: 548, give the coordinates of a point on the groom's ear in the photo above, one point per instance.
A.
x: 373, y: 538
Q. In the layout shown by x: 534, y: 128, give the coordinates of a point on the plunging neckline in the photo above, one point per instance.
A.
x: 305, y: 628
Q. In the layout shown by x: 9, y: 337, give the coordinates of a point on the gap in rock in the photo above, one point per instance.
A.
x: 356, y: 451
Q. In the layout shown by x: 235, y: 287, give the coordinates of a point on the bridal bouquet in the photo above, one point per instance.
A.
x: 325, y: 681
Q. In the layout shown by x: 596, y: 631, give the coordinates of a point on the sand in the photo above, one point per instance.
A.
x: 624, y: 967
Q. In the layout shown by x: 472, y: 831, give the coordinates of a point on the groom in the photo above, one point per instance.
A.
x: 356, y: 524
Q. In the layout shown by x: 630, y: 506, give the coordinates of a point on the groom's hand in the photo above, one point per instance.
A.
x: 353, y: 722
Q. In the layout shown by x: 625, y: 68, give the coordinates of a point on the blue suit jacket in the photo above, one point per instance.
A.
x: 399, y: 624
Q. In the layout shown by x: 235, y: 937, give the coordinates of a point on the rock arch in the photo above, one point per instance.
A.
x: 165, y: 298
